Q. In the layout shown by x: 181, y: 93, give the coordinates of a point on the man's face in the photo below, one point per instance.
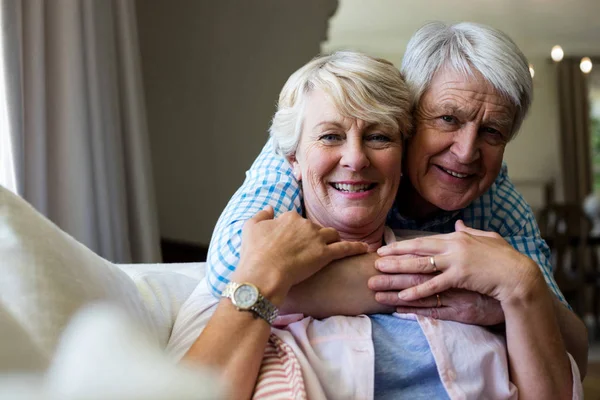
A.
x: 462, y: 127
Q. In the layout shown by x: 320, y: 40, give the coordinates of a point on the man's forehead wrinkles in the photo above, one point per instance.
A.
x: 501, y: 120
x: 462, y: 102
x: 497, y: 114
x: 476, y: 93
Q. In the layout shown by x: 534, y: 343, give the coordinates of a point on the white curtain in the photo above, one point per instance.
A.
x: 73, y: 125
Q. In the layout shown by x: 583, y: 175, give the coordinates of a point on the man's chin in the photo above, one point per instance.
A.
x: 449, y: 203
x: 453, y: 205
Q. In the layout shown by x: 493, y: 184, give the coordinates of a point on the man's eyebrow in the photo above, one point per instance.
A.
x: 454, y: 109
x: 503, y: 121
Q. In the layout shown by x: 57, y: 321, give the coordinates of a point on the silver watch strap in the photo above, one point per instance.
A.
x: 263, y: 307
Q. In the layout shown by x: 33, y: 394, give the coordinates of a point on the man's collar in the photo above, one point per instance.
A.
x: 440, y: 218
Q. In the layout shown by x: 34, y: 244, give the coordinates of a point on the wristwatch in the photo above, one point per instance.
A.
x: 246, y: 297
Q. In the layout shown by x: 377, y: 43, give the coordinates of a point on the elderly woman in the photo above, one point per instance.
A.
x: 340, y: 123
x: 472, y: 90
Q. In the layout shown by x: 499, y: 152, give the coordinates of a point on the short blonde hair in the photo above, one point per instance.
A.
x: 360, y: 86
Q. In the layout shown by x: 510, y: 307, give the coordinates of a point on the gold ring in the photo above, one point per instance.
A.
x: 432, y: 262
x: 439, y: 301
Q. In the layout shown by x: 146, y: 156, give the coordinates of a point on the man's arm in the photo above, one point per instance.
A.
x: 338, y: 289
x: 268, y: 182
x: 575, y: 335
x: 572, y: 328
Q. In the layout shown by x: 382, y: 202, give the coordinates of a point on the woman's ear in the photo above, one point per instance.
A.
x: 295, y: 166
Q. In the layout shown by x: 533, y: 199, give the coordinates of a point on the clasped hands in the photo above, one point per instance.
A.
x: 460, y: 277
x: 466, y: 276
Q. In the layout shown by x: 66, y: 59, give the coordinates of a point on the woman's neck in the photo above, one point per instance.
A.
x: 373, y: 239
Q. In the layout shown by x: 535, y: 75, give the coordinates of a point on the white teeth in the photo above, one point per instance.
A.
x: 455, y: 174
x: 344, y: 187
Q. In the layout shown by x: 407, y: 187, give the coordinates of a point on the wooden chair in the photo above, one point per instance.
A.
x: 567, y: 229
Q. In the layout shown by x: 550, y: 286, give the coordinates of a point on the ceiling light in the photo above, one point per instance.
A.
x: 585, y: 65
x: 557, y: 53
x: 531, y: 71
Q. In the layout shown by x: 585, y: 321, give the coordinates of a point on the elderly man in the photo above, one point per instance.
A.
x: 472, y: 90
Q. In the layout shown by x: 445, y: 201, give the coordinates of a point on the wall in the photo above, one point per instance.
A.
x: 533, y: 156
x: 212, y: 74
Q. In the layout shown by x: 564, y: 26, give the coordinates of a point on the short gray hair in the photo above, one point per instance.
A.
x: 360, y: 86
x: 465, y: 47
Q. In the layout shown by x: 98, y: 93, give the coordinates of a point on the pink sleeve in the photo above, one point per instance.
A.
x: 577, y: 385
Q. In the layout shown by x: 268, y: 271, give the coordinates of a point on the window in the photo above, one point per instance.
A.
x: 8, y: 176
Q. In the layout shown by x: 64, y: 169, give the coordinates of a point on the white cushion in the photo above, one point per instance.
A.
x: 18, y: 353
x: 46, y: 276
x: 164, y: 288
x: 103, y: 355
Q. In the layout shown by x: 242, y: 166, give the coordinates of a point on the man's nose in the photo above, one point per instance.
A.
x: 466, y: 144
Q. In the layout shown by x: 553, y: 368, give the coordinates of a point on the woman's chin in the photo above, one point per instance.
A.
x: 355, y: 220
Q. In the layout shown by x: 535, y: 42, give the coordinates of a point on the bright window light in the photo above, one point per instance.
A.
x: 8, y: 177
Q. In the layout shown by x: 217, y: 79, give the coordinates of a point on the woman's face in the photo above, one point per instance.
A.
x: 350, y: 169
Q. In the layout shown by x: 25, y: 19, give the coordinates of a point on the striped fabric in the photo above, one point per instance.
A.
x: 280, y: 375
x: 270, y: 182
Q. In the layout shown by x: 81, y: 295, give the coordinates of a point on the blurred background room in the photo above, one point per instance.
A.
x: 131, y: 123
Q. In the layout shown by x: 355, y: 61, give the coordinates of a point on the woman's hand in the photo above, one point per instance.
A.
x: 467, y: 259
x: 278, y: 253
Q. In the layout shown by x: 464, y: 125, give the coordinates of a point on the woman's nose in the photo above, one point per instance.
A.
x: 354, y: 157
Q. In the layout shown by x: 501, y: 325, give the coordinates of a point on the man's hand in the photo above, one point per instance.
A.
x: 455, y: 304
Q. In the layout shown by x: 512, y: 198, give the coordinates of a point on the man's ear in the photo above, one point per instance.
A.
x: 295, y: 166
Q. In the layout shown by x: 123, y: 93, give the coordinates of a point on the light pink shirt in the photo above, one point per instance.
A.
x: 337, y: 355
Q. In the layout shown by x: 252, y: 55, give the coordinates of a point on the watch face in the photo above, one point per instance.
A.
x: 245, y: 296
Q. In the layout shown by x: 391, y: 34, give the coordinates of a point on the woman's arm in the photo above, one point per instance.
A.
x: 233, y: 343
x: 276, y: 254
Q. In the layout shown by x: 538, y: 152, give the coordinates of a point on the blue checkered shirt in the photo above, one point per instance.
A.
x: 270, y: 182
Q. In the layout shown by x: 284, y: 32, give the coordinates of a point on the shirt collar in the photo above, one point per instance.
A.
x: 441, y: 218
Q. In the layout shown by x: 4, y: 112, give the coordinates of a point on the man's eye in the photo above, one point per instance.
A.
x: 492, y: 131
x: 448, y: 118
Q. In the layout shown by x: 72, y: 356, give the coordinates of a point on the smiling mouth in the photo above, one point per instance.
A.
x: 454, y: 173
x: 350, y: 188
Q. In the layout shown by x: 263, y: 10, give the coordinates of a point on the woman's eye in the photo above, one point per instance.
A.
x: 330, y: 138
x: 378, y: 138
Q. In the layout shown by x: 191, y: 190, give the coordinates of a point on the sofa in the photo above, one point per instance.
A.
x: 76, y: 326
